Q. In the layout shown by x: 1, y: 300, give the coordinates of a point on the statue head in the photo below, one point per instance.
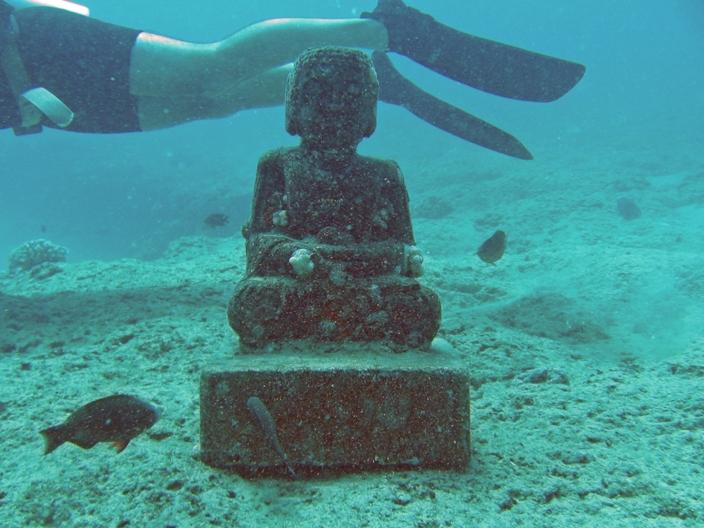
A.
x: 331, y: 98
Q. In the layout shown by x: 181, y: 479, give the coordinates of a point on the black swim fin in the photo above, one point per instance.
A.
x: 484, y: 64
x: 396, y: 89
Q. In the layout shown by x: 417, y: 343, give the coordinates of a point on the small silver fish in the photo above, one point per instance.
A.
x: 268, y: 427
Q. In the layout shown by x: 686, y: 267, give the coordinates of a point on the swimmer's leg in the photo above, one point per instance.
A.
x: 261, y: 91
x: 268, y: 90
x: 396, y: 89
x: 165, y: 67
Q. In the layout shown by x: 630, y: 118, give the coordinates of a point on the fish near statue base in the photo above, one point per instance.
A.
x: 334, y: 370
x: 335, y: 414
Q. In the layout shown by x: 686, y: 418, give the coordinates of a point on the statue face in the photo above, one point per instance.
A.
x: 336, y: 113
x: 331, y: 98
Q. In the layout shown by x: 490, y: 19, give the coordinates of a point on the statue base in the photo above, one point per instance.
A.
x: 337, y: 412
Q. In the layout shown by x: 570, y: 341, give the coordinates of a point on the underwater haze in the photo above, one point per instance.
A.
x: 128, y: 195
x: 584, y: 340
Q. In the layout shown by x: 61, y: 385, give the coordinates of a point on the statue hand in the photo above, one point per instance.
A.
x: 412, y: 261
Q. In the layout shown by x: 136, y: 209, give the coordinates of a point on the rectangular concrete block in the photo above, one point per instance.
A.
x: 335, y: 413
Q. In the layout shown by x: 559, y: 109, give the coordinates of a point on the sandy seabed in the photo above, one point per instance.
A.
x: 584, y: 345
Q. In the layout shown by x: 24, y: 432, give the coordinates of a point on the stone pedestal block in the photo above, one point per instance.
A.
x: 337, y: 412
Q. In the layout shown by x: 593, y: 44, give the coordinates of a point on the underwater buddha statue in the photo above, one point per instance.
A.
x: 331, y: 256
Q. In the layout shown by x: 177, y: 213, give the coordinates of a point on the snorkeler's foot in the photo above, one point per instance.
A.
x: 396, y: 89
x: 484, y: 64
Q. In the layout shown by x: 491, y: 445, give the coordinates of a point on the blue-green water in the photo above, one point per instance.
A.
x: 114, y: 196
x: 584, y: 343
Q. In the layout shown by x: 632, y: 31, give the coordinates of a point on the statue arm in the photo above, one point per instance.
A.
x: 400, y: 222
x: 269, y: 190
x: 395, y: 193
x: 276, y: 254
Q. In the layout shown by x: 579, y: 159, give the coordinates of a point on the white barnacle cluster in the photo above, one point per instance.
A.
x: 280, y: 218
x: 34, y: 253
x: 381, y: 218
x: 412, y: 261
x: 302, y: 262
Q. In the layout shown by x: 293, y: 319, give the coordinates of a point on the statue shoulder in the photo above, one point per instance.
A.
x: 387, y: 171
x: 275, y: 157
x: 271, y: 165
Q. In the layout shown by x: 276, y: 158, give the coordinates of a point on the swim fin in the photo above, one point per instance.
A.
x: 484, y: 64
x: 396, y: 89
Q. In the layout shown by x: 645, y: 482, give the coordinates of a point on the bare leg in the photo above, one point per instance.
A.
x: 161, y: 66
x: 264, y: 90
x: 177, y: 81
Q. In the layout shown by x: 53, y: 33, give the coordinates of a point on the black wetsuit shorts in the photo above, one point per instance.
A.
x: 83, y: 61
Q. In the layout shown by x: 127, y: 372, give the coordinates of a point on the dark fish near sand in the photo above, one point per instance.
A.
x: 216, y: 220
x: 627, y: 208
x: 117, y: 419
x: 492, y: 249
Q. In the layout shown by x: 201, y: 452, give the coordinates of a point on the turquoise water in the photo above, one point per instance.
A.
x: 119, y: 196
x: 612, y: 305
